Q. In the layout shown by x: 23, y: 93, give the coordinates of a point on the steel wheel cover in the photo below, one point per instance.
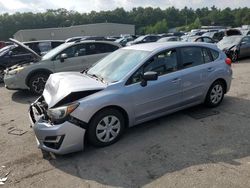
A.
x: 108, y: 128
x: 38, y: 84
x: 216, y: 94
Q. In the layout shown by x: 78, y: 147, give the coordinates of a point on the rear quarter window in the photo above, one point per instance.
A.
x: 214, y: 54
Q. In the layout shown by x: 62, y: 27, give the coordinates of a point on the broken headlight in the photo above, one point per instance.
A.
x: 62, y: 112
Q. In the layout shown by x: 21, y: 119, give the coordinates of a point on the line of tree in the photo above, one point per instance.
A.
x: 146, y: 20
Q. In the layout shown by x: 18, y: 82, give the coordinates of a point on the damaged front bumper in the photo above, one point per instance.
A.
x: 60, y: 138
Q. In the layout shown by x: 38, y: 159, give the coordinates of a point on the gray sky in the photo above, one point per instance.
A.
x: 12, y: 6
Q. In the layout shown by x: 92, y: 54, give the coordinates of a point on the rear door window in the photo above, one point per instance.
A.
x: 214, y: 54
x: 206, y: 56
x: 191, y: 56
x: 105, y: 48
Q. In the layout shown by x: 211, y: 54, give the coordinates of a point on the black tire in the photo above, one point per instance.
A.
x: 1, y: 74
x: 234, y: 56
x: 94, y: 131
x: 37, y: 83
x: 215, y: 94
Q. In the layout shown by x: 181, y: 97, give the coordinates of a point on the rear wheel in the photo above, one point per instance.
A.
x: 1, y: 74
x: 106, y: 127
x: 215, y: 94
x: 37, y: 83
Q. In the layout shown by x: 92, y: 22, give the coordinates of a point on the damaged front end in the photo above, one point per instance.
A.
x: 55, y: 129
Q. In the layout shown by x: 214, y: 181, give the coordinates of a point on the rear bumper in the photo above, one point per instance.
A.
x: 61, y: 138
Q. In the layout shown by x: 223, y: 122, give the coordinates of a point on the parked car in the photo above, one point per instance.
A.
x: 144, y: 39
x: 235, y: 47
x: 201, y: 39
x: 215, y: 35
x: 169, y: 39
x: 128, y: 87
x: 231, y: 32
x: 74, y: 56
x: 14, y: 54
x: 124, y: 40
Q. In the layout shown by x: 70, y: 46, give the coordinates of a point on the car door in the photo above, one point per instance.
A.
x: 194, y: 74
x: 245, y: 47
x: 160, y: 96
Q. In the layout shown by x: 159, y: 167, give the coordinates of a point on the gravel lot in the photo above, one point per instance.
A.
x: 180, y: 150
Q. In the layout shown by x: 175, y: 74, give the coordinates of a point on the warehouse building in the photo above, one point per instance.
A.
x: 99, y: 29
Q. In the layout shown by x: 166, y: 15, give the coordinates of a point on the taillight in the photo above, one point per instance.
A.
x: 228, y: 61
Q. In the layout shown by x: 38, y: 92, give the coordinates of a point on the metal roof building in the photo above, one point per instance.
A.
x: 62, y: 33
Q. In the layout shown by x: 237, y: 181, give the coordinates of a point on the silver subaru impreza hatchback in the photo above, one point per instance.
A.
x: 130, y: 86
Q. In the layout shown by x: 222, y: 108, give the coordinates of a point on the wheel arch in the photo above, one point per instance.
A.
x: 116, y: 107
x: 223, y: 81
x: 34, y: 72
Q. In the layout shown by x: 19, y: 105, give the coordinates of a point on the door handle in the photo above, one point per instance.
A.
x: 175, y: 80
x: 210, y: 69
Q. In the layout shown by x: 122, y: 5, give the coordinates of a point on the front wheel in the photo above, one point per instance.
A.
x: 37, y: 83
x: 215, y: 94
x: 106, y: 127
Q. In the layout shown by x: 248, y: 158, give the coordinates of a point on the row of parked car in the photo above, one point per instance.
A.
x: 34, y: 65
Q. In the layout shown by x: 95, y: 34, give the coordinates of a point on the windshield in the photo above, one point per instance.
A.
x: 230, y: 40
x: 55, y: 51
x: 116, y: 65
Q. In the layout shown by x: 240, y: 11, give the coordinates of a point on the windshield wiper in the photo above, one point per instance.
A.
x: 96, y: 76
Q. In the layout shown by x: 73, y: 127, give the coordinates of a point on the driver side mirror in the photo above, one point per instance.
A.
x: 63, y: 57
x: 148, y: 76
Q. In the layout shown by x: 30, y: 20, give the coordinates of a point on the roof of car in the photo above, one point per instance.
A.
x: 95, y: 41
x: 39, y: 41
x: 153, y: 46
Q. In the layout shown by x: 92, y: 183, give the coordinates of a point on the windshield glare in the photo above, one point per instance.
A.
x: 55, y: 51
x: 116, y: 65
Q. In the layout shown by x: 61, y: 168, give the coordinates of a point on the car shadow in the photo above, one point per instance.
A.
x: 149, y: 151
x: 24, y: 97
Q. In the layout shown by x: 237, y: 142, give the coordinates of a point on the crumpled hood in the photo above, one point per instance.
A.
x: 60, y: 85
